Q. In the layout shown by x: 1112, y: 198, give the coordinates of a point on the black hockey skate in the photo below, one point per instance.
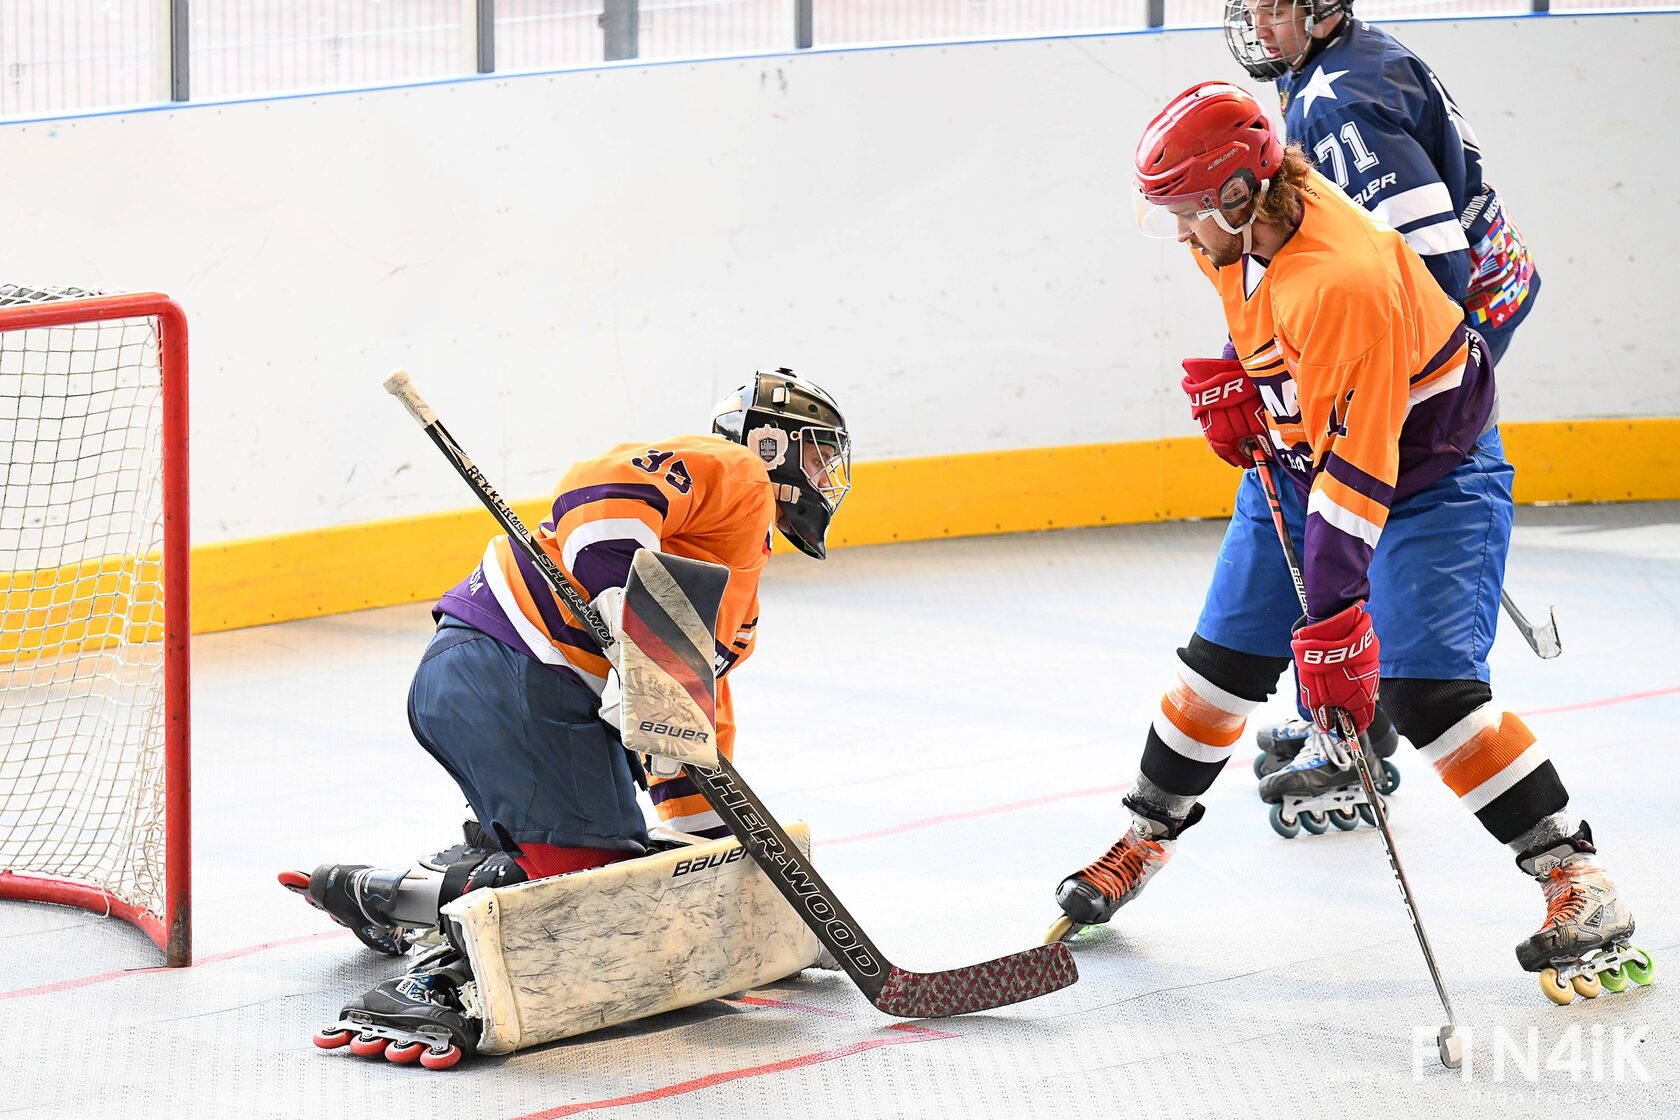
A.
x: 475, y: 845
x: 1320, y: 787
x: 1583, y: 946
x: 360, y: 898
x: 417, y: 1016
x: 1091, y: 895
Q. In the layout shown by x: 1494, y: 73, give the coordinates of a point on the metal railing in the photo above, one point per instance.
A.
x: 60, y: 56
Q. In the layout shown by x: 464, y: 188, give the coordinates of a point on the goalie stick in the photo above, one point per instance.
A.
x: 1448, y: 1042
x: 894, y: 990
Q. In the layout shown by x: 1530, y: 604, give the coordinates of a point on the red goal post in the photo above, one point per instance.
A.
x: 95, y: 736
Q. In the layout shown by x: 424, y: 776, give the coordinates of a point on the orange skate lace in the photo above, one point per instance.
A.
x: 1563, y: 900
x: 1122, y: 865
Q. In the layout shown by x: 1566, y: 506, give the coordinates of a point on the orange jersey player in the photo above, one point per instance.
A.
x: 508, y: 695
x: 778, y: 456
x: 1351, y: 319
x: 1351, y: 368
x: 702, y: 497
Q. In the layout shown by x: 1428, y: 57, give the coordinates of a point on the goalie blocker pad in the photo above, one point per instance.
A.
x: 666, y: 667
x: 561, y: 956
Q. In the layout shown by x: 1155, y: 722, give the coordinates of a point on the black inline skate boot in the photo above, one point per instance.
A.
x: 474, y: 846
x: 417, y: 1016
x: 360, y: 898
x: 1320, y: 787
x: 1281, y: 742
x: 1091, y: 895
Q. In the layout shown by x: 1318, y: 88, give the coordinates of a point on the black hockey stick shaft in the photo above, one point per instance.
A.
x: 896, y: 991
x: 399, y: 386
x: 1446, y: 1039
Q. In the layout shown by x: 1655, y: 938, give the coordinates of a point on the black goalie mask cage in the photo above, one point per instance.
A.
x: 796, y: 428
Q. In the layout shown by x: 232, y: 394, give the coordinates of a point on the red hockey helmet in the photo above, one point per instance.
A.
x: 1206, y: 137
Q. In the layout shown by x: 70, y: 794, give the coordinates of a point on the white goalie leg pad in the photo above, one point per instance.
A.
x: 574, y: 953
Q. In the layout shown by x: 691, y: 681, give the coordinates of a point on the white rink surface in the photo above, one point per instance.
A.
x: 955, y: 721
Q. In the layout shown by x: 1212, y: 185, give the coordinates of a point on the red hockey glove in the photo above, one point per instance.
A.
x: 1227, y: 406
x: 1336, y: 662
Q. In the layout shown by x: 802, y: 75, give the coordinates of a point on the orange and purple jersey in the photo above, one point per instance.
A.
x: 701, y: 497
x: 1373, y: 387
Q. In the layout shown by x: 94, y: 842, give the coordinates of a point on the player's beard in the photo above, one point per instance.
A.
x: 1220, y: 248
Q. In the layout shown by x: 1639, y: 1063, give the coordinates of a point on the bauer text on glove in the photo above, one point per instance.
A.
x: 1226, y: 405
x: 1336, y: 663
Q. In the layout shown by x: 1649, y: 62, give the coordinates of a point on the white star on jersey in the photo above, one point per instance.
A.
x: 1318, y: 86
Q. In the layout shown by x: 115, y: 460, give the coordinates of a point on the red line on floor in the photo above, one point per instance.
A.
x: 946, y: 818
x: 1031, y: 803
x: 903, y: 1034
x: 1604, y: 703
x: 214, y: 958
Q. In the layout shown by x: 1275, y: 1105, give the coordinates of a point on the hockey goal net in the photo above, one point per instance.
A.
x: 94, y: 774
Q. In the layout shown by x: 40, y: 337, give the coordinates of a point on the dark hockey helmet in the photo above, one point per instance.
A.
x: 1209, y: 153
x: 1260, y: 60
x: 797, y: 429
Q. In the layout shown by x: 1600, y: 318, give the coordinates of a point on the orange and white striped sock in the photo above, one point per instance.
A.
x: 1193, y: 733
x: 1492, y: 761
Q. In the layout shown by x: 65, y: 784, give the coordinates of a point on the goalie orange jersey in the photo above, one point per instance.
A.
x: 702, y: 497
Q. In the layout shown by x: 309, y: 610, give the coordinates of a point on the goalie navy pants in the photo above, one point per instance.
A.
x: 525, y: 744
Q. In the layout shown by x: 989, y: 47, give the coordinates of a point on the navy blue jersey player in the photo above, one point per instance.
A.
x: 1378, y: 122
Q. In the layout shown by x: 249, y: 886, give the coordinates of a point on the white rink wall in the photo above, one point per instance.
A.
x: 941, y: 234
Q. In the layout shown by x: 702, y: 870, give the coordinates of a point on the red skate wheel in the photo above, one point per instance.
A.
x: 403, y: 1053
x: 368, y: 1045
x: 441, y: 1059
x: 295, y: 881
x: 331, y: 1038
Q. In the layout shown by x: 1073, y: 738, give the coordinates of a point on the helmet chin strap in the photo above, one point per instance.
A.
x: 1308, y: 22
x: 1246, y: 230
x: 1309, y: 25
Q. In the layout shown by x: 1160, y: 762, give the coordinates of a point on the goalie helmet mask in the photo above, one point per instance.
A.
x: 1261, y: 60
x: 797, y: 430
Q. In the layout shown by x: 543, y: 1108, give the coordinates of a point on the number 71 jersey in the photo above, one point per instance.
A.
x: 1381, y: 126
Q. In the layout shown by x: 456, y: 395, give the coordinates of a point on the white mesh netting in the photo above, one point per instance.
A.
x: 81, y: 563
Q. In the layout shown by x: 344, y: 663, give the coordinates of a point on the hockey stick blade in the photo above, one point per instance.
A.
x: 1543, y: 640
x: 896, y: 991
x: 958, y: 991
